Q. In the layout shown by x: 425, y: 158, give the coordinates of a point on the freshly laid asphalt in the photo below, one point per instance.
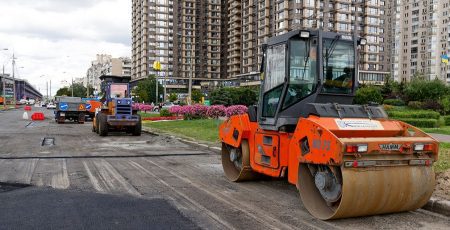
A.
x: 47, y: 208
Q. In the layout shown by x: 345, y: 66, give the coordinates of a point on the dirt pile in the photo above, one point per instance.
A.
x: 442, y: 189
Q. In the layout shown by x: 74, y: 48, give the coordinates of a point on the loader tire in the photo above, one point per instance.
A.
x: 102, y: 125
x: 137, y: 129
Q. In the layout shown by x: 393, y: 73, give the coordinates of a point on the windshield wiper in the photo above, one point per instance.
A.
x: 308, y: 47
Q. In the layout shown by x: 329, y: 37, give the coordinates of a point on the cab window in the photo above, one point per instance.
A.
x: 275, y: 73
x: 339, y: 66
x: 302, y: 71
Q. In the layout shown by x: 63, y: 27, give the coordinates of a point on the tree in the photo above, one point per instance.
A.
x: 421, y: 90
x: 368, y: 94
x: 146, y: 89
x: 173, y: 97
x: 63, y: 92
x: 234, y: 96
x: 78, y: 90
x: 196, y: 95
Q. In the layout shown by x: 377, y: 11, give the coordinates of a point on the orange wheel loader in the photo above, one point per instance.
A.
x: 346, y: 160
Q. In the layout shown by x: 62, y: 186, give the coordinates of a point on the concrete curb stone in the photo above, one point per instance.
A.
x: 433, y: 205
x: 438, y: 206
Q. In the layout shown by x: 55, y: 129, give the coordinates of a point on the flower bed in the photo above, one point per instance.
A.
x: 142, y: 107
x: 198, y: 111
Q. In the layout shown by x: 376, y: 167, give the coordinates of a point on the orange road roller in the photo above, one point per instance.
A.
x: 346, y: 160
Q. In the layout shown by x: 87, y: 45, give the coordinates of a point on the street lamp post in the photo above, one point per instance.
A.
x: 190, y: 76
x: 14, y: 79
x: 4, y: 82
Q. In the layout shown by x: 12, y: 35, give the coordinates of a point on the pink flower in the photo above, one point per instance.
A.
x: 216, y: 111
x: 236, y: 110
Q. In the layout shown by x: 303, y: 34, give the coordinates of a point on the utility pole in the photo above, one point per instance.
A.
x: 156, y: 80
x: 14, y: 79
x: 4, y: 86
x: 190, y: 76
x: 72, y: 86
x: 50, y: 95
x: 47, y: 90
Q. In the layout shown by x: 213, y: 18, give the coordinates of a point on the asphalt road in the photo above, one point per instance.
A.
x: 121, y: 181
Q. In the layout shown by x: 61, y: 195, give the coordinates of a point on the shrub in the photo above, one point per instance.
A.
x: 165, y: 113
x: 199, y: 111
x: 236, y: 110
x: 415, y: 104
x: 432, y: 105
x: 420, y: 90
x: 234, y: 96
x: 368, y: 94
x: 447, y: 120
x: 176, y: 109
x: 445, y: 103
x: 422, y: 123
x: 216, y: 111
x: 395, y: 102
x: 388, y: 107
x: 427, y: 114
x: 141, y: 107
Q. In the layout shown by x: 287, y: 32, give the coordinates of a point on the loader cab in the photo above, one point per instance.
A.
x: 304, y: 67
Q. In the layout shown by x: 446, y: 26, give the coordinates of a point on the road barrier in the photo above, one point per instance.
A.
x: 37, y: 116
x: 27, y: 108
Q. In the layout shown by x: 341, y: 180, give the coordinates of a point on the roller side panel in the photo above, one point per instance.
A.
x: 233, y: 130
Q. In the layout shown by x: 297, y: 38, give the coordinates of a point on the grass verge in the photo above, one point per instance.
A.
x: 144, y: 115
x: 202, y: 130
x: 443, y: 163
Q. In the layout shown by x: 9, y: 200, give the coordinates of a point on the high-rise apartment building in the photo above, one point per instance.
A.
x: 186, y: 36
x: 252, y: 22
x: 106, y: 65
x: 419, y: 38
x: 152, y: 37
x: 140, y: 63
x: 199, y: 46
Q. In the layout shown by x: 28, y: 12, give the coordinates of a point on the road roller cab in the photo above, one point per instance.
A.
x: 346, y: 160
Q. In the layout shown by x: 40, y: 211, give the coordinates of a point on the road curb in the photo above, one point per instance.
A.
x: 433, y: 205
x: 438, y: 206
x: 191, y: 142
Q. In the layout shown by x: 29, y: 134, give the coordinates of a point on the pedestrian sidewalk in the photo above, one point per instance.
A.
x: 440, y: 137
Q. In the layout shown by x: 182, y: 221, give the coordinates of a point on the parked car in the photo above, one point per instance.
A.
x: 22, y: 102
x: 165, y: 105
x: 51, y: 106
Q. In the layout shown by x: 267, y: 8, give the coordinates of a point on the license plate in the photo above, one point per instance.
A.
x: 390, y: 147
x: 62, y: 114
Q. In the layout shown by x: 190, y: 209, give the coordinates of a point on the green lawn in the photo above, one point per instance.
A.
x: 202, y: 130
x: 443, y: 163
x: 441, y: 130
x: 148, y: 114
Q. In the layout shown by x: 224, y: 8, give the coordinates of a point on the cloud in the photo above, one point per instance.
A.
x: 54, y: 36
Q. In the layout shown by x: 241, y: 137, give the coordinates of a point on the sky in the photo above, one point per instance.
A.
x: 58, y: 39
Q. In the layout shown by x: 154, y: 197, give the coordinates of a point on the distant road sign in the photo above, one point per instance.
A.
x: 63, y: 106
x: 88, y: 106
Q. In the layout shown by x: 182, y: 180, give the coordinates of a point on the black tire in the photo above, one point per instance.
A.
x: 138, y: 128
x: 103, y: 125
x: 96, y: 123
x: 81, y: 118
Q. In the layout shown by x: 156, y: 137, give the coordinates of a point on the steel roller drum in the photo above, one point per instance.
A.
x: 370, y: 191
